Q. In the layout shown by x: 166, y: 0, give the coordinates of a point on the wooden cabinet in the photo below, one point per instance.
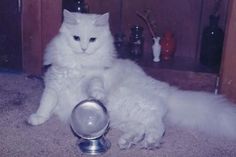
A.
x: 185, y: 18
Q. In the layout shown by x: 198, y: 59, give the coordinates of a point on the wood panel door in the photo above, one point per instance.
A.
x: 41, y: 20
x: 10, y: 35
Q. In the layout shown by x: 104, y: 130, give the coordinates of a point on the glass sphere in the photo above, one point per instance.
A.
x: 89, y: 119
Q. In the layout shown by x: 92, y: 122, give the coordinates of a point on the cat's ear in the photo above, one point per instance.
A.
x: 69, y: 17
x: 102, y: 20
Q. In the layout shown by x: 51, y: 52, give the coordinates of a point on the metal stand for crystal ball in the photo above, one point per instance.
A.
x: 90, y: 121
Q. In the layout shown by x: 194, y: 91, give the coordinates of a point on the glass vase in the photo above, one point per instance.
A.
x: 136, y: 42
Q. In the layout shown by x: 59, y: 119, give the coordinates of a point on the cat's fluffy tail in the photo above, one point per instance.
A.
x: 206, y: 112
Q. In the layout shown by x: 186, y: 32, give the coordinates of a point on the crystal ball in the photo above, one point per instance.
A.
x: 89, y: 119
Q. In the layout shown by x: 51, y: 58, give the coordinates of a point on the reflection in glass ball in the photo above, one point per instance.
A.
x: 89, y: 119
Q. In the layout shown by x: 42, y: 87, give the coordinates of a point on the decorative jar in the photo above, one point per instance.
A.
x: 168, y: 45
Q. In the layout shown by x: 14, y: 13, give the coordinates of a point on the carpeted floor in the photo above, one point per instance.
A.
x: 19, y: 97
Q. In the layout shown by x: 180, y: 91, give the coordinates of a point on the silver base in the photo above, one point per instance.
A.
x: 94, y: 146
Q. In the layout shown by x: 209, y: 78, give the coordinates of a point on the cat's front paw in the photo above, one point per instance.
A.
x: 98, y: 94
x: 36, y: 119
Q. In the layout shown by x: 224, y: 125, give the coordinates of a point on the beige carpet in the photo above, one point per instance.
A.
x: 19, y: 97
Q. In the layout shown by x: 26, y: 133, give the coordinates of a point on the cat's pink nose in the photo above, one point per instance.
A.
x: 83, y: 49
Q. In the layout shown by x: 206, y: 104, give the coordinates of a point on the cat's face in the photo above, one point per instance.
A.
x: 85, y: 33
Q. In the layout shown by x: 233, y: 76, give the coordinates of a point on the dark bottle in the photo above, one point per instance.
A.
x: 136, y: 41
x: 212, y: 44
x: 120, y: 44
x: 76, y: 6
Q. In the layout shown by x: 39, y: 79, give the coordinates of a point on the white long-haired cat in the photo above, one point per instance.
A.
x: 84, y: 65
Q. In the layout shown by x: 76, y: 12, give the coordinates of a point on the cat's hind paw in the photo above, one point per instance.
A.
x: 151, y: 141
x: 36, y: 119
x: 127, y: 140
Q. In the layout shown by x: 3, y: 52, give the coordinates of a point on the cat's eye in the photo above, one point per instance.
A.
x: 92, y: 39
x: 77, y: 38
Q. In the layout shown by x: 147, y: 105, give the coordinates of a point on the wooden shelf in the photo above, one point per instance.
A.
x: 178, y: 63
x: 182, y: 73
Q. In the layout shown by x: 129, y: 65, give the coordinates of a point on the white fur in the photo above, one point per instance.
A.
x: 137, y: 103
